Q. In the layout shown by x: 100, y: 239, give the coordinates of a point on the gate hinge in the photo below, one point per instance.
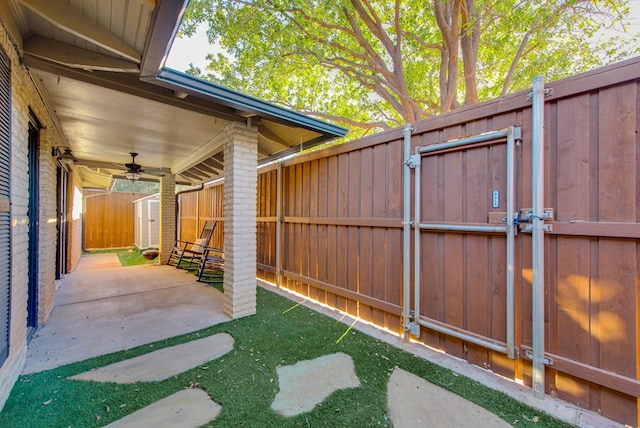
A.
x: 411, y: 325
x: 413, y: 161
x: 517, y: 133
x: 547, y: 92
x: 413, y: 328
x: 547, y: 361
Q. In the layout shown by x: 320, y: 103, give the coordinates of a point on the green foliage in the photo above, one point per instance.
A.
x: 372, y: 64
x: 132, y: 258
x: 142, y: 187
x: 244, y: 382
x: 126, y: 256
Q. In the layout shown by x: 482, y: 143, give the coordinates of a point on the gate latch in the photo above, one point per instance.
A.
x: 547, y: 361
x: 525, y: 217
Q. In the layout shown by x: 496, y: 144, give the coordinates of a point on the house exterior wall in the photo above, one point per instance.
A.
x: 25, y: 98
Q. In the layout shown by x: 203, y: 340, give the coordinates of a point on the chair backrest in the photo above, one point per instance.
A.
x: 207, y: 231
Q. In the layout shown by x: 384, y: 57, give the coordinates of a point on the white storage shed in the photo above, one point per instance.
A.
x: 147, y: 221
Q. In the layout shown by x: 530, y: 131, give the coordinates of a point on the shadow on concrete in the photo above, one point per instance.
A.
x: 103, y: 307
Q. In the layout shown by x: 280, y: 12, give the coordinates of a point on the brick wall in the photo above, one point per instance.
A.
x: 167, y: 197
x: 24, y: 98
x: 240, y: 191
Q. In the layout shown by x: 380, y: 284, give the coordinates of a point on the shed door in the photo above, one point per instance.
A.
x: 153, y: 223
x: 137, y: 230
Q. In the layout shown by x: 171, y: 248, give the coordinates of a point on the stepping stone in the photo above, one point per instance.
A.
x: 307, y: 383
x: 163, y: 363
x: 412, y: 402
x: 190, y: 408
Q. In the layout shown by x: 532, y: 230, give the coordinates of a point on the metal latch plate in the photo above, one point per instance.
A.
x: 547, y: 361
x: 413, y: 328
x: 413, y: 161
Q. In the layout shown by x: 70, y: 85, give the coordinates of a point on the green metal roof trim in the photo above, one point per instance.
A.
x: 246, y: 103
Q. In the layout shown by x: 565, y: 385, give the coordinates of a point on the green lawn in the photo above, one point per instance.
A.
x: 244, y: 382
x: 127, y: 256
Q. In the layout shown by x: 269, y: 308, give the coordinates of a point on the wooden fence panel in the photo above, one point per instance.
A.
x: 211, y: 203
x: 188, y: 224
x: 266, y: 224
x: 342, y: 212
x: 196, y: 208
x: 109, y: 220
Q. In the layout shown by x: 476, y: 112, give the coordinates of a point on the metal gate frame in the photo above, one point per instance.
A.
x: 536, y: 217
x: 415, y: 320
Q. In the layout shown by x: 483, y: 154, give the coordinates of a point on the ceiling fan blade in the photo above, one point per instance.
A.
x: 99, y: 164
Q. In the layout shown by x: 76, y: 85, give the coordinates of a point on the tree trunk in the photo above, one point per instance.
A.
x: 469, y: 42
x: 447, y: 12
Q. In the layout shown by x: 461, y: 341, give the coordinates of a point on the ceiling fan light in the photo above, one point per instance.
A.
x: 132, y: 175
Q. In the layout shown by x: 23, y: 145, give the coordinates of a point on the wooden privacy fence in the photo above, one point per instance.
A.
x: 108, y: 220
x: 330, y: 226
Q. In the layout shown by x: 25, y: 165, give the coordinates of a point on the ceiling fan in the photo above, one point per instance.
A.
x: 134, y: 170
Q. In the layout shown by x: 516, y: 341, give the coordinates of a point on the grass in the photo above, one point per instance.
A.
x: 245, y: 382
x: 127, y: 256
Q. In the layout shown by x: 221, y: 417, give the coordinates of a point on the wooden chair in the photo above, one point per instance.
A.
x: 185, y: 255
x: 211, y: 266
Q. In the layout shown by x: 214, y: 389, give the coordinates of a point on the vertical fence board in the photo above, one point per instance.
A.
x: 341, y: 212
x: 353, y: 237
x: 476, y: 276
x: 312, y: 238
x: 379, y: 198
x: 454, y: 261
x: 333, y: 251
x: 364, y: 210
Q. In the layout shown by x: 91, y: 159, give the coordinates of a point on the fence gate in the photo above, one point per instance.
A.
x: 464, y: 238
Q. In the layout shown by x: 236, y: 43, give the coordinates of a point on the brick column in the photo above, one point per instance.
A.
x: 240, y: 191
x: 167, y: 216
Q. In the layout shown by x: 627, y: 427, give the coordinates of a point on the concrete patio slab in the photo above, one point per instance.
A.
x: 163, y: 363
x: 307, y: 383
x: 103, y: 308
x: 190, y: 408
x: 414, y: 402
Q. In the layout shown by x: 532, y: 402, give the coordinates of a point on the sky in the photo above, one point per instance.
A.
x: 191, y: 50
x: 195, y: 49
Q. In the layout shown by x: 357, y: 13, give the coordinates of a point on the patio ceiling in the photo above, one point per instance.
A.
x: 100, y: 62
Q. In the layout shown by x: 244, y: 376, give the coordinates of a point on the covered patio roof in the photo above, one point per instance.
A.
x: 101, y: 63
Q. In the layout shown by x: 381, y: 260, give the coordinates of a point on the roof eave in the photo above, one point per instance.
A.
x: 167, y: 19
x: 183, y: 82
